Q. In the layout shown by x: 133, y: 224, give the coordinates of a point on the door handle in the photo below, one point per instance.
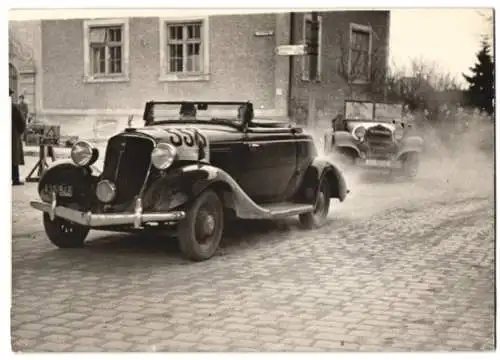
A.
x: 254, y: 146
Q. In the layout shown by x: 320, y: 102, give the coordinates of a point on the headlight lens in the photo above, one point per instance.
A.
x: 163, y: 155
x: 359, y: 133
x: 105, y: 191
x: 83, y: 154
x: 398, y: 134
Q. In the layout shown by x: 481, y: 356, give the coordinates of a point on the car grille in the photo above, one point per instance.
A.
x: 379, y: 143
x: 126, y: 164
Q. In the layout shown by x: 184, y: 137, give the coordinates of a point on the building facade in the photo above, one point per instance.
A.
x: 95, y: 70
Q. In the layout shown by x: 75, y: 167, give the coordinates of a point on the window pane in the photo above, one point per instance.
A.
x: 193, y: 31
x: 360, y: 40
x: 115, y: 34
x: 175, y: 57
x: 193, y: 63
x: 175, y: 32
x: 97, y: 35
x: 359, y: 64
x: 115, y: 59
x: 98, y: 60
x: 175, y: 65
x: 193, y: 49
x: 175, y: 50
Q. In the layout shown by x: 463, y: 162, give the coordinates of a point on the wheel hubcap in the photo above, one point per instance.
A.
x: 206, y: 224
x: 209, y: 225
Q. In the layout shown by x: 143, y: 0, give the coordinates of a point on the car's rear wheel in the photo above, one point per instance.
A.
x: 200, y: 232
x: 411, y: 164
x: 318, y: 217
x: 63, y: 233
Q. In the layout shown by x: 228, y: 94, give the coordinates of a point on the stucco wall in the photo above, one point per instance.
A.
x: 241, y: 66
x: 333, y: 88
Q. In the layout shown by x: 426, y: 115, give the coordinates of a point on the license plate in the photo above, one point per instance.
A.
x: 381, y: 163
x: 60, y: 189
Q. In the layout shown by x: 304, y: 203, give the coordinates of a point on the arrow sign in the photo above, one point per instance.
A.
x: 291, y: 50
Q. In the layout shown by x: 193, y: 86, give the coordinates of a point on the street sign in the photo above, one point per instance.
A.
x: 291, y: 50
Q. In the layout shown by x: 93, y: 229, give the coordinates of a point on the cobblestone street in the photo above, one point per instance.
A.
x: 401, y: 266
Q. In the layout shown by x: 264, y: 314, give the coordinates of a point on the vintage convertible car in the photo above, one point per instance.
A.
x: 374, y: 135
x: 191, y: 174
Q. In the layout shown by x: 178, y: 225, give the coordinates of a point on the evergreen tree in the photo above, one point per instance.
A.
x: 481, y: 92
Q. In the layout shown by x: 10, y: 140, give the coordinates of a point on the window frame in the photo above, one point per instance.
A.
x: 369, y: 31
x: 305, y: 64
x: 89, y: 76
x: 204, y: 73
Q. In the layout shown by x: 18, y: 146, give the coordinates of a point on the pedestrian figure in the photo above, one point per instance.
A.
x: 23, y: 106
x: 18, y: 128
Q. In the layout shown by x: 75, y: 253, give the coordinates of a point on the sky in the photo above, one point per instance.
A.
x: 448, y: 37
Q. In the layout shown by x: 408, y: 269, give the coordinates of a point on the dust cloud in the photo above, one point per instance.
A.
x: 455, y: 164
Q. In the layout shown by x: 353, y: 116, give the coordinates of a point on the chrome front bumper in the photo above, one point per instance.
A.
x: 95, y: 220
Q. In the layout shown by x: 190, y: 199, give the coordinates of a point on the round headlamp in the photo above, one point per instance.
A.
x: 359, y: 133
x: 398, y: 134
x: 163, y: 155
x: 105, y: 191
x: 83, y: 154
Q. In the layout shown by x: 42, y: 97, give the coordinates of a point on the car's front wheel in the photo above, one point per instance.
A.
x: 200, y: 232
x: 319, y: 216
x: 63, y: 233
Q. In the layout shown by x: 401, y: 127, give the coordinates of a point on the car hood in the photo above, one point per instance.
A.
x: 184, y: 137
x: 213, y: 133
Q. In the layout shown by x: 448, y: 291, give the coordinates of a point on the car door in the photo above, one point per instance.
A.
x: 268, y: 164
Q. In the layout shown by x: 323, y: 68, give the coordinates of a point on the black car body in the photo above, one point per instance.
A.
x: 374, y: 135
x: 189, y: 173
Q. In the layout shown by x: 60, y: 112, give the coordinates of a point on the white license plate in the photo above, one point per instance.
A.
x: 380, y: 163
x: 60, y: 189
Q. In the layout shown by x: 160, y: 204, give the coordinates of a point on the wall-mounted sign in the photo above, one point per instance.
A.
x: 291, y: 50
x: 264, y: 33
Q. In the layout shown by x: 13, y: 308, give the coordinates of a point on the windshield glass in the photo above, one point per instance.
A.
x: 388, y: 112
x: 357, y: 110
x: 162, y: 112
x: 368, y: 111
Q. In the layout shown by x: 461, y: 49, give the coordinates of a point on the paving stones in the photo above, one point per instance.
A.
x: 369, y: 283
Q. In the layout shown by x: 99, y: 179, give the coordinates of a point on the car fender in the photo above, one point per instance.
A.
x: 66, y: 172
x: 319, y: 168
x: 184, y: 184
x: 411, y: 144
x: 343, y: 140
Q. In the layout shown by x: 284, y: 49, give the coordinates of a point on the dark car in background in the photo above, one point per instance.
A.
x: 374, y: 136
x: 191, y: 168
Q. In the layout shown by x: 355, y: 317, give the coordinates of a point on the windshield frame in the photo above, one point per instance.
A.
x: 237, y: 122
x: 373, y: 111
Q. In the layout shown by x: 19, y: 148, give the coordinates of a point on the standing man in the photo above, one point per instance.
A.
x: 18, y: 128
x: 23, y: 107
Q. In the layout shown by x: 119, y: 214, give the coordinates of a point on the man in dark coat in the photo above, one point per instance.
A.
x: 18, y: 128
x: 23, y: 107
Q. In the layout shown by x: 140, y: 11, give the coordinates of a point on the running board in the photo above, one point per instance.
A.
x: 286, y: 209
